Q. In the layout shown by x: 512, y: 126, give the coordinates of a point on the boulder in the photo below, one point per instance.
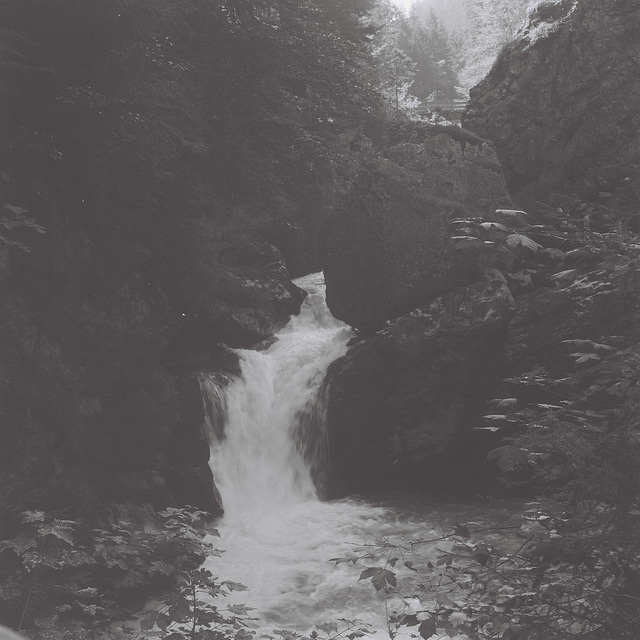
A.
x: 561, y: 106
x: 186, y: 459
x: 249, y: 297
x: 386, y: 248
x: 408, y: 394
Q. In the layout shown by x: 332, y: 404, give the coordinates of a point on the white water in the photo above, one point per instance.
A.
x: 257, y: 467
x: 277, y: 537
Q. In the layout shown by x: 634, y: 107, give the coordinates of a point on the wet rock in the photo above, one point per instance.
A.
x: 561, y: 106
x: 190, y: 480
x: 588, y: 302
x: 404, y: 396
x: 386, y: 249
x: 251, y: 299
x: 294, y: 245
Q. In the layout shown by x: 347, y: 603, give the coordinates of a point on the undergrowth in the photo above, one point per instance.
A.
x: 59, y: 578
x: 570, y: 435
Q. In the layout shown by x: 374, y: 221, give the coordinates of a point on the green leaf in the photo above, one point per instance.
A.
x: 32, y: 516
x: 20, y: 545
x: 516, y: 239
x: 179, y: 611
x: 234, y: 586
x: 367, y: 573
x: 59, y: 529
x: 494, y: 225
x: 443, y: 600
x: 165, y: 568
x: 511, y: 212
x: 350, y: 558
x: 427, y: 628
x: 585, y: 357
x: 379, y: 577
x: 18, y: 211
x: 239, y: 609
x: 163, y: 621
x: 564, y: 275
x: 467, y: 242
x: 457, y: 619
x: 461, y: 531
x: 509, y: 458
x: 148, y: 621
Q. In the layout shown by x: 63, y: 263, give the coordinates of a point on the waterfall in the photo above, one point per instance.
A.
x: 262, y: 461
x: 267, y: 442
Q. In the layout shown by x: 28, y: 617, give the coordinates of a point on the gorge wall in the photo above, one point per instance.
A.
x: 431, y: 323
x: 165, y: 170
x: 561, y: 106
x: 159, y: 165
x: 386, y: 247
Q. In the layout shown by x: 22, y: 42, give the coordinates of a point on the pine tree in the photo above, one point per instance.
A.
x: 395, y: 69
x: 445, y: 80
x: 488, y: 26
x: 428, y: 46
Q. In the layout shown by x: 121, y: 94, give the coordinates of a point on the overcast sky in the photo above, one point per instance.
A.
x: 405, y: 4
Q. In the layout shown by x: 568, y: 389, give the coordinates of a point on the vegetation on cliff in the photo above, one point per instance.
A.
x: 151, y: 156
x: 159, y: 163
x: 164, y: 168
x: 568, y: 423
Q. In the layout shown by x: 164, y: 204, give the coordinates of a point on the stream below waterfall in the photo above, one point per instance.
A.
x: 277, y: 537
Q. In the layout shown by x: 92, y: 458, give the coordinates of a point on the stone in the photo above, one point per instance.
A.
x: 254, y: 299
x: 386, y: 248
x: 186, y: 460
x: 561, y: 107
x: 406, y: 395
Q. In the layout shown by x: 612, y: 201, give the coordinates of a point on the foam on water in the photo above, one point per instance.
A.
x: 278, y: 538
x: 285, y: 560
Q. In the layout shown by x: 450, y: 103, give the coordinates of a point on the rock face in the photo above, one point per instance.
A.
x: 401, y: 398
x: 109, y: 375
x: 386, y: 249
x: 561, y: 106
x: 246, y: 299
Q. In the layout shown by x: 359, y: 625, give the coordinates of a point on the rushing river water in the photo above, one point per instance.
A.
x: 277, y: 537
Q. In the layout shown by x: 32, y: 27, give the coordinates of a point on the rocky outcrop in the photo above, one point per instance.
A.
x: 403, y: 397
x: 246, y: 299
x: 386, y: 248
x: 561, y: 106
x: 99, y: 361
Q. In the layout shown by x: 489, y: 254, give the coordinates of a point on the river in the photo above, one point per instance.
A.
x: 278, y: 538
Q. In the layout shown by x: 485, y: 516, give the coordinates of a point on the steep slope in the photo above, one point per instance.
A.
x: 561, y: 106
x: 173, y: 156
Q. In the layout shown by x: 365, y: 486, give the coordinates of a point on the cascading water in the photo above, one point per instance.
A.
x: 278, y: 538
x: 258, y: 466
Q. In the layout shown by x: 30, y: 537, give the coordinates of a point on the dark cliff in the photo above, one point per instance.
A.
x: 561, y: 106
x: 163, y: 170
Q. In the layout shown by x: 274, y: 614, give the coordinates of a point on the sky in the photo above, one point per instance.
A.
x: 404, y: 4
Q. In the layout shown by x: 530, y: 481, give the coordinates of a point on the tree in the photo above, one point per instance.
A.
x: 428, y: 46
x: 149, y: 139
x: 488, y: 25
x: 478, y: 29
x: 395, y: 69
x: 441, y: 52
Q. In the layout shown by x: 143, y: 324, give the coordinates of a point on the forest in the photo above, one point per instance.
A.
x: 456, y: 455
